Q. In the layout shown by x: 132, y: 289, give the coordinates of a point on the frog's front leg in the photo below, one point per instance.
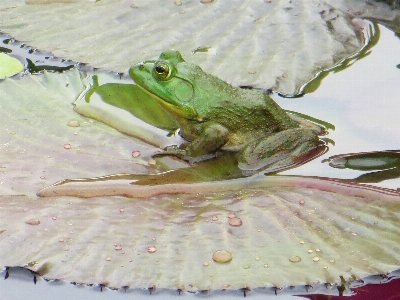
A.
x: 278, y: 150
x: 213, y: 136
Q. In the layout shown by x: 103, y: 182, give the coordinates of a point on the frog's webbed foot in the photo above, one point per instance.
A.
x: 174, y: 150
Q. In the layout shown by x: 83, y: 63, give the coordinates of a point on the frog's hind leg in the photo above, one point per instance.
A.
x: 283, y: 149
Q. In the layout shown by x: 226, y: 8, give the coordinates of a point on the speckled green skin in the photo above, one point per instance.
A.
x: 212, y: 114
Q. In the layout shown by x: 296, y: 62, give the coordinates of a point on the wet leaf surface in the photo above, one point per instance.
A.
x: 246, y: 41
x: 333, y: 233
x: 163, y: 227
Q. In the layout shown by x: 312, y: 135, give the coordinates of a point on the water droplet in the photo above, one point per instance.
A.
x: 206, y: 264
x: 108, y: 258
x: 317, y: 250
x: 301, y: 242
x: 353, y: 233
x: 214, y: 218
x: 42, y: 177
x: 152, y: 161
x: 122, y: 266
x: 265, y: 265
x: 246, y: 267
x: 67, y: 146
x: 206, y: 1
x: 332, y: 261
x: 222, y: 256
x: 74, y: 123
x: 325, y: 267
x: 178, y: 3
x: 295, y: 259
x: 225, y: 286
x: 231, y: 215
x: 54, y: 218
x: 121, y: 209
x: 257, y: 258
x: 315, y: 258
x: 284, y: 75
x: 153, y: 238
x: 32, y: 222
x: 61, y: 240
x: 135, y: 153
x: 301, y: 201
x: 235, y: 222
x: 118, y: 247
x: 151, y: 249
x: 310, y: 251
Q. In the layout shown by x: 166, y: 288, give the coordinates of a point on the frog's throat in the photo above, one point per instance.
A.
x: 173, y: 110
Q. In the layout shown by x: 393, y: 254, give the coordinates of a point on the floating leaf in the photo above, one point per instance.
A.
x: 279, y: 45
x: 333, y: 233
x: 9, y: 66
x: 166, y: 233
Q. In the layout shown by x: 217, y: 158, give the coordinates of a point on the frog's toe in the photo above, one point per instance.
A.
x: 171, y: 150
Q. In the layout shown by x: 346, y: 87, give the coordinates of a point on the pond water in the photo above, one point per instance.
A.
x: 362, y: 102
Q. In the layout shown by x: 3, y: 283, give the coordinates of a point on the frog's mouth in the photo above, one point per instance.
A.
x: 173, y: 110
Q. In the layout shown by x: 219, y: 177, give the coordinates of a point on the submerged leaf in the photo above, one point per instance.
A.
x: 386, y: 163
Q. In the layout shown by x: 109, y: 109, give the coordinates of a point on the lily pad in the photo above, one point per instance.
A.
x: 276, y: 44
x: 9, y: 66
x: 125, y: 107
x: 166, y: 233
x: 168, y: 240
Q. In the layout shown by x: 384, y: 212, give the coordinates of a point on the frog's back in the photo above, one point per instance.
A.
x: 240, y: 110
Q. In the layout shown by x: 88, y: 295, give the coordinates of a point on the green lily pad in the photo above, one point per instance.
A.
x: 9, y: 66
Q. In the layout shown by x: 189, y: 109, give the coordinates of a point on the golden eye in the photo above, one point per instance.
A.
x: 161, y: 70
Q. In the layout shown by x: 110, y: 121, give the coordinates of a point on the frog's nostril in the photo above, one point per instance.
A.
x: 141, y: 66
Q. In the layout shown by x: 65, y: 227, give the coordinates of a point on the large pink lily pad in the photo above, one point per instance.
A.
x: 292, y: 231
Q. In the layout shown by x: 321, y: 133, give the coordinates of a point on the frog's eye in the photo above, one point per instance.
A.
x: 162, y: 70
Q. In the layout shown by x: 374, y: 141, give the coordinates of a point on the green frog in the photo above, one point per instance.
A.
x: 213, y: 115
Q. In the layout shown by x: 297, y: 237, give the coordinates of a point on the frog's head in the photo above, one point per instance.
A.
x: 168, y: 82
